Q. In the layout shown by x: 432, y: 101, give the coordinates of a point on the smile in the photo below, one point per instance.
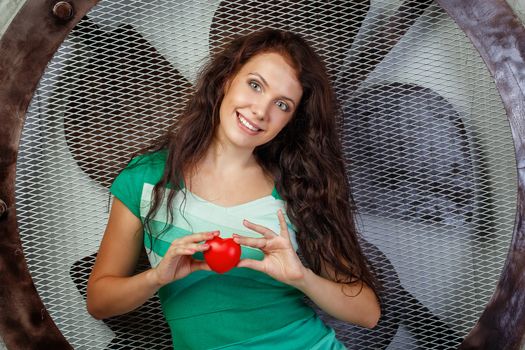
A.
x: 247, y: 124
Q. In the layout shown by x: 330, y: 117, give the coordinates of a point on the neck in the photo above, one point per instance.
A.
x: 223, y: 158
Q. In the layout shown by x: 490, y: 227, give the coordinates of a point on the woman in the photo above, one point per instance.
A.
x: 257, y: 139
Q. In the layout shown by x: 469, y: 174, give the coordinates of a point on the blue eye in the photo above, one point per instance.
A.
x: 282, y: 105
x: 255, y: 85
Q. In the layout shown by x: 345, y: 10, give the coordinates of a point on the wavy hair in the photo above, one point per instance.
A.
x: 305, y: 159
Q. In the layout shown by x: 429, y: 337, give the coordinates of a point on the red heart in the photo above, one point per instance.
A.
x: 223, y: 254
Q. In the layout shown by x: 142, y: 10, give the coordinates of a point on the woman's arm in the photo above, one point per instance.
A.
x: 112, y: 288
x: 282, y: 263
x: 355, y: 303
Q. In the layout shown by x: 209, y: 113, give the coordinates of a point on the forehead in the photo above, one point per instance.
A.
x: 276, y: 71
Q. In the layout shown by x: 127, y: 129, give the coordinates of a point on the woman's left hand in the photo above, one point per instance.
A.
x: 280, y: 259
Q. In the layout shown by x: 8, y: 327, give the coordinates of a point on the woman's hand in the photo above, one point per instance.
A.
x: 280, y: 259
x: 178, y: 262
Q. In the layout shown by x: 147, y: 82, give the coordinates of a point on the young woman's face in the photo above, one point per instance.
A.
x: 258, y: 101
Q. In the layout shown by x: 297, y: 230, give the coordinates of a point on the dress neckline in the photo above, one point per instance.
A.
x: 275, y: 195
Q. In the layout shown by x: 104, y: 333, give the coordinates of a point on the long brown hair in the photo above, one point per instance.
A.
x: 305, y: 158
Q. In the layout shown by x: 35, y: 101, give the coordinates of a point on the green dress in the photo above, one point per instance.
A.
x: 240, y: 309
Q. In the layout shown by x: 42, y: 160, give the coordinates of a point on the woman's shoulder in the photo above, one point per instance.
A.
x: 155, y: 158
x: 149, y: 167
x: 143, y: 169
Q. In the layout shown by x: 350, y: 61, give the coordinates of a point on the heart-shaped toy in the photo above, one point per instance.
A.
x: 223, y: 254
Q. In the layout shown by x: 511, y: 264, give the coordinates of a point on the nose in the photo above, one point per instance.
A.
x: 260, y: 108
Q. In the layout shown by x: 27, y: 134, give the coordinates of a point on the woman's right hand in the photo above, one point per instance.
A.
x: 113, y: 287
x: 178, y: 262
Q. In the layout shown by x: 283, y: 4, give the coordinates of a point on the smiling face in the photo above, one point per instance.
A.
x: 258, y: 101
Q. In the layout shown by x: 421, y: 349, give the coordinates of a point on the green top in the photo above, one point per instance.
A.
x: 242, y: 308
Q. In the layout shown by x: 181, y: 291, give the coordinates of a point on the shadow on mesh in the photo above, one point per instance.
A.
x: 144, y: 327
x: 398, y: 308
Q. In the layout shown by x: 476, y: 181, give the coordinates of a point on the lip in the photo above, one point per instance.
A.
x: 249, y: 131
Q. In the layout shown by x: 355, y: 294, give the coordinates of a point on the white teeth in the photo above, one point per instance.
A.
x: 246, y: 124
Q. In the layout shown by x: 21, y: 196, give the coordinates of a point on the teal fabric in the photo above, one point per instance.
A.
x: 142, y: 169
x: 240, y: 309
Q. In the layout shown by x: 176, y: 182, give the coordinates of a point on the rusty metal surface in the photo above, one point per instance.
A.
x: 499, y: 37
x: 25, y: 49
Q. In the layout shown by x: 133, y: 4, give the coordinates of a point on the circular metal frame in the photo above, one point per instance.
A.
x: 40, y: 27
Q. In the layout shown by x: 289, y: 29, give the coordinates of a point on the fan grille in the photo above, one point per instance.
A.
x: 428, y: 148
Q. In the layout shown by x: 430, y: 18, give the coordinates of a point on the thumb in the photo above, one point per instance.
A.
x: 200, y: 265
x: 251, y: 264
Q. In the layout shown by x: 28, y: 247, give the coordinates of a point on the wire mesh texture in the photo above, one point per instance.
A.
x: 426, y: 140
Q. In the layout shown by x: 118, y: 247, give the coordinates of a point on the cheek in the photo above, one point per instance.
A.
x: 244, y: 97
x: 225, y: 107
x: 280, y: 123
x: 234, y: 99
x: 284, y: 120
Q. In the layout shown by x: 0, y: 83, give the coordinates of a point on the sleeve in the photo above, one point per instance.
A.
x: 127, y: 186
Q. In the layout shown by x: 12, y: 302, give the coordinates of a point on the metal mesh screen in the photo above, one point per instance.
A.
x: 428, y: 148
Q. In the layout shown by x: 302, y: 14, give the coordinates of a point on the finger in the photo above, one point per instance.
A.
x: 202, y: 247
x: 188, y: 249
x: 283, y: 224
x: 199, y: 247
x: 250, y: 241
x: 181, y: 250
x: 266, y: 232
x: 251, y: 264
x: 199, y: 237
x: 199, y: 265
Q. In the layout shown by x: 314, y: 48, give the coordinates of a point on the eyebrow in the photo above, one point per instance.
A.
x: 266, y: 83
